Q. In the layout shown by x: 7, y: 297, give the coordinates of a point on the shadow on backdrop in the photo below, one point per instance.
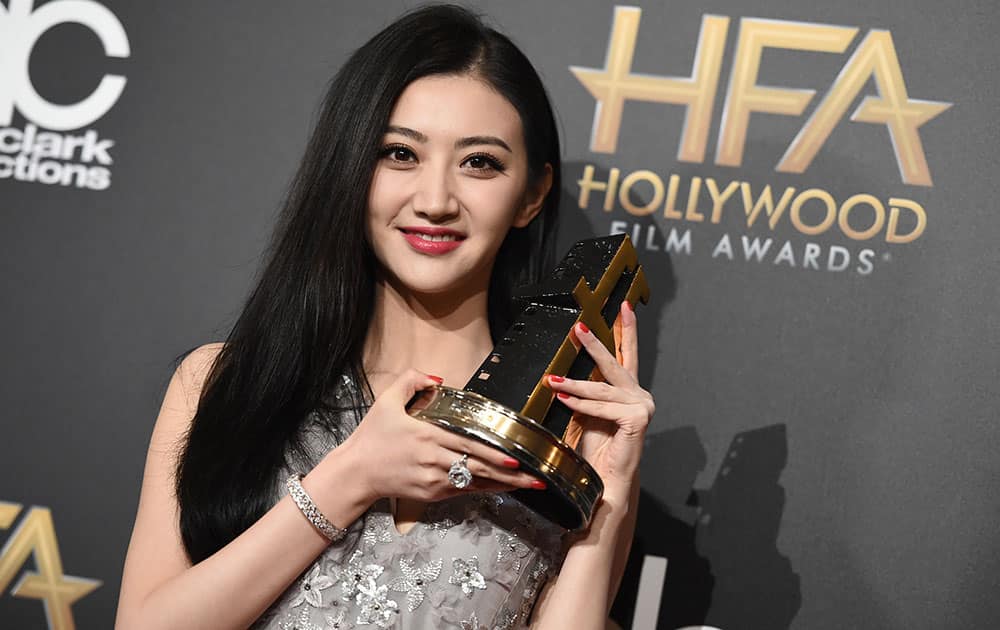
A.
x: 723, y: 565
x: 666, y: 529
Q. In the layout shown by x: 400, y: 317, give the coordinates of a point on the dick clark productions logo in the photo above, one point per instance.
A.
x: 40, y: 151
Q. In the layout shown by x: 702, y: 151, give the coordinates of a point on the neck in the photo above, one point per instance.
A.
x: 446, y: 335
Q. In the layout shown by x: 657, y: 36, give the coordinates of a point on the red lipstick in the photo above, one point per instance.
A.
x: 432, y: 240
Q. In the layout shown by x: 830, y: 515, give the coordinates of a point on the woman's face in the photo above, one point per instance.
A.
x: 451, y: 180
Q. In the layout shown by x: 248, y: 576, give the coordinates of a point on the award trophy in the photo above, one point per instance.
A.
x: 508, y: 404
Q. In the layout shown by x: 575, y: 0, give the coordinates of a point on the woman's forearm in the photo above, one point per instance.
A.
x: 626, y: 533
x: 234, y: 586
x: 581, y: 596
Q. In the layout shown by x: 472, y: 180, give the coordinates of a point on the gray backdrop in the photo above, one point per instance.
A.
x: 823, y: 454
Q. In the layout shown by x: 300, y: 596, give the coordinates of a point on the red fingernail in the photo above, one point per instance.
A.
x: 583, y: 327
x: 510, y: 462
x: 628, y: 305
x: 537, y: 484
x: 436, y: 379
x: 562, y: 395
x: 555, y: 378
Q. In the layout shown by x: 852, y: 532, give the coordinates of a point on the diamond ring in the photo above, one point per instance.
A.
x: 459, y: 474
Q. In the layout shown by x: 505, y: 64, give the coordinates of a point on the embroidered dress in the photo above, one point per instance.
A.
x: 476, y: 561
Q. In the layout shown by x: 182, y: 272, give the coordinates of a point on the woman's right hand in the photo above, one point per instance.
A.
x: 400, y: 456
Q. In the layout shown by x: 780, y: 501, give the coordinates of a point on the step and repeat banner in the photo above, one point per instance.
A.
x: 812, y: 189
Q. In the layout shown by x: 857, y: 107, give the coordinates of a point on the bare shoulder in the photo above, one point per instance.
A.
x: 194, y: 369
x: 199, y: 361
x: 180, y: 402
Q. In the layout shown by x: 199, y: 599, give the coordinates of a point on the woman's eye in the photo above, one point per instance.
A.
x: 484, y: 162
x: 398, y: 154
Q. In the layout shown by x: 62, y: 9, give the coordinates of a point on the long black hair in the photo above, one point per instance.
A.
x: 304, y: 324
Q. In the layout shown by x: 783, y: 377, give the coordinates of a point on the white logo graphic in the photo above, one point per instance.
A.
x: 20, y: 28
x: 33, y: 154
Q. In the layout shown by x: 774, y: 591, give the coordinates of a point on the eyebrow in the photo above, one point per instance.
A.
x: 459, y: 144
x: 474, y: 140
x: 406, y: 131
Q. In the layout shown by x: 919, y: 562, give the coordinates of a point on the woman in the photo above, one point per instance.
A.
x: 427, y: 192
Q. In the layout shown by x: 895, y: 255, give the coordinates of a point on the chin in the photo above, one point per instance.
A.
x: 436, y: 288
x: 435, y: 281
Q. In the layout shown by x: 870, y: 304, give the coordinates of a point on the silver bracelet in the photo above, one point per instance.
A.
x: 310, y: 511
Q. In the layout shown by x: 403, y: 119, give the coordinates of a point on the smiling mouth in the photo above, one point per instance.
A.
x: 435, y: 238
x: 433, y: 234
x: 432, y: 241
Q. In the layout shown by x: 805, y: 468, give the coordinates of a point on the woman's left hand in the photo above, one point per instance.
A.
x: 611, y: 416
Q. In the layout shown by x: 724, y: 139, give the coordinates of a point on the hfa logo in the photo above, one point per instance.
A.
x: 708, y: 198
x: 36, y: 534
x: 875, y: 57
x: 48, y: 157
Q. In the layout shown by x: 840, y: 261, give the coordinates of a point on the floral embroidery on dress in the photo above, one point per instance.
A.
x: 414, y: 581
x: 472, y: 623
x: 311, y: 587
x: 378, y: 529
x: 375, y: 605
x: 511, y: 551
x: 339, y: 620
x: 299, y: 622
x: 415, y: 546
x: 474, y: 528
x: 466, y: 574
x: 442, y: 526
x: 356, y: 574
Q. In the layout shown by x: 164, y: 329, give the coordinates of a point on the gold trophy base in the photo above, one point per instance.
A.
x: 573, y: 487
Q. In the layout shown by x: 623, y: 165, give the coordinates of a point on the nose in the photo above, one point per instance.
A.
x: 434, y: 198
